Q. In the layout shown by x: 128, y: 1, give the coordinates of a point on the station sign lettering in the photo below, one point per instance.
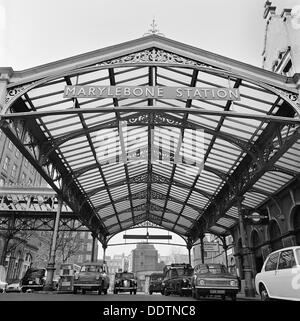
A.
x: 148, y: 92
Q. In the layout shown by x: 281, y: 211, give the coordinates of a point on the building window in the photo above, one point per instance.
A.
x: 14, y: 170
x: 88, y: 257
x: 89, y: 246
x: 30, y: 181
x: 6, y: 163
x: 25, y: 162
x: 2, y: 181
x: 17, y: 153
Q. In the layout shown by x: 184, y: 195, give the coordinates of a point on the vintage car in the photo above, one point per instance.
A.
x: 14, y: 287
x: 280, y: 275
x: 125, y: 282
x: 93, y: 276
x: 177, y: 279
x: 214, y: 279
x: 34, y: 280
x: 155, y: 282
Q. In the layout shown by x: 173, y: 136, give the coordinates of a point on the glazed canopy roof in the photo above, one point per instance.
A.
x: 179, y: 163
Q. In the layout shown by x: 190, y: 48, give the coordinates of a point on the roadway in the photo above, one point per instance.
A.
x: 93, y: 296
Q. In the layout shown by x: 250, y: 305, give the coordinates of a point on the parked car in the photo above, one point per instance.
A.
x: 3, y: 286
x: 177, y: 279
x: 214, y: 279
x: 125, y: 282
x: 155, y: 282
x: 280, y: 275
x: 93, y: 276
x: 34, y: 279
x: 13, y: 287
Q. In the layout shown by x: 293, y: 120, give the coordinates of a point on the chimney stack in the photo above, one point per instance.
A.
x: 269, y: 10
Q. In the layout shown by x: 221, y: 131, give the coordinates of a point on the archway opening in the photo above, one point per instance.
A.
x: 258, y: 258
x: 275, y: 236
x: 296, y: 224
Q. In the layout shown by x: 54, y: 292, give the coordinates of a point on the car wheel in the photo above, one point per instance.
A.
x: 166, y: 292
x: 115, y: 291
x: 233, y: 297
x: 105, y: 291
x: 99, y: 291
x: 150, y: 292
x: 264, y: 295
x: 24, y: 290
x: 75, y: 290
x: 134, y: 292
x: 223, y: 297
x: 83, y: 291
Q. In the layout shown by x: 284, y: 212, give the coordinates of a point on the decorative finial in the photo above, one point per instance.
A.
x: 154, y: 30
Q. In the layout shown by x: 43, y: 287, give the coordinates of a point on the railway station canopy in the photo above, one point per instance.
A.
x: 153, y: 130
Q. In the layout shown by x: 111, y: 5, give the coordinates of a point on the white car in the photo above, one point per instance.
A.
x: 280, y: 275
x: 3, y: 286
x: 13, y: 287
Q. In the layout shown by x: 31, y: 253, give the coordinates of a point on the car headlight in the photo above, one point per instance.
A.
x: 200, y: 282
x: 233, y: 283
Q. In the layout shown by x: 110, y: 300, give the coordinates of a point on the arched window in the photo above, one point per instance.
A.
x: 258, y: 258
x: 275, y: 234
x: 296, y: 223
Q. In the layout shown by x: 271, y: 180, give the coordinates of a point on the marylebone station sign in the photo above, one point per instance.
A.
x: 144, y: 92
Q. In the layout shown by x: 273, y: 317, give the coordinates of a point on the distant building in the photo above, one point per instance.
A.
x: 218, y: 256
x: 117, y: 263
x: 16, y: 170
x: 281, y: 52
x: 144, y: 261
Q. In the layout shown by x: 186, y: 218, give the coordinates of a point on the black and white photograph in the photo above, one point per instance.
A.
x: 149, y: 158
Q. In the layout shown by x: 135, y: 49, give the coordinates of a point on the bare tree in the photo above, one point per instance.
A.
x: 67, y: 245
x: 13, y: 237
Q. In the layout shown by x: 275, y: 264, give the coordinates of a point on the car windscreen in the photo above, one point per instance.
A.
x: 127, y: 275
x: 184, y: 271
x: 34, y: 274
x: 92, y: 268
x: 297, y: 251
x: 156, y: 278
x: 214, y: 269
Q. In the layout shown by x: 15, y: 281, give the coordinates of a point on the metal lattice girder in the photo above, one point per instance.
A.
x: 247, y: 175
x: 245, y: 141
x: 71, y: 196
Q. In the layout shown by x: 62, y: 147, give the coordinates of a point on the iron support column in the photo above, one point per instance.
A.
x: 249, y: 289
x: 202, y: 248
x: 51, y: 262
x: 225, y: 247
x: 93, y: 247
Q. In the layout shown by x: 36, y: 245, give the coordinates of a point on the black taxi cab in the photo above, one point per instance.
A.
x: 155, y: 282
x: 177, y: 279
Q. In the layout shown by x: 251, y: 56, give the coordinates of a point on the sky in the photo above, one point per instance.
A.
x: 36, y: 32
